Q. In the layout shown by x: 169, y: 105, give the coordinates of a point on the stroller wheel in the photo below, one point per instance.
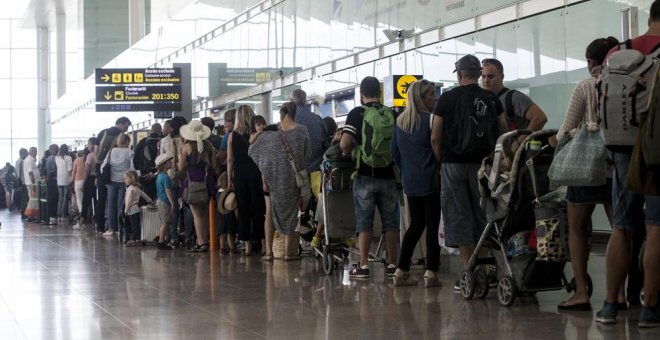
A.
x: 467, y: 284
x: 481, y: 283
x: 506, y: 291
x: 328, y: 260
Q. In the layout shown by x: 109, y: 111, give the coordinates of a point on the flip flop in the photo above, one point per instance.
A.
x: 576, y: 307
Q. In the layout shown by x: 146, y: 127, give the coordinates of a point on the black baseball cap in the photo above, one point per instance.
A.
x: 468, y: 63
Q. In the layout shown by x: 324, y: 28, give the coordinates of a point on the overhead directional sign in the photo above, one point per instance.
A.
x: 138, y: 107
x: 133, y: 89
x: 156, y: 93
x: 109, y: 76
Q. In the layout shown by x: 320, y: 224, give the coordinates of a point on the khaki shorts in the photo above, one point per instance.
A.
x: 163, y: 211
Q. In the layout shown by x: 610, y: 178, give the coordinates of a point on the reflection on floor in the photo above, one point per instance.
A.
x: 61, y: 284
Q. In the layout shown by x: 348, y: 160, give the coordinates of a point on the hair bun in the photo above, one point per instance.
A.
x: 611, y: 42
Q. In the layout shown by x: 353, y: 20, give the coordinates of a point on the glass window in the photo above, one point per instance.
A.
x: 24, y: 123
x: 22, y: 38
x: 5, y: 96
x: 5, y: 39
x: 24, y: 93
x: 5, y: 127
x: 24, y: 63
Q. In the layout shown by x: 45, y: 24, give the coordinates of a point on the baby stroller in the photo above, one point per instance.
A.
x: 339, y: 215
x: 517, y: 203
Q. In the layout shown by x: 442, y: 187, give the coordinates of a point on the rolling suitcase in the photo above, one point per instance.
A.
x: 150, y: 222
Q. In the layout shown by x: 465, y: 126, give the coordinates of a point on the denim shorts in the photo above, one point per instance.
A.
x: 369, y: 193
x: 629, y: 212
x: 601, y: 194
x: 461, y: 213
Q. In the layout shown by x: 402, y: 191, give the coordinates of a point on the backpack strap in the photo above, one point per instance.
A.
x: 508, y: 105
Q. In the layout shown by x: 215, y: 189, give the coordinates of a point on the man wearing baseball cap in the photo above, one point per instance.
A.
x: 471, y: 119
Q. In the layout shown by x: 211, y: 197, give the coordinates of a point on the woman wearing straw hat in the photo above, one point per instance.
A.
x: 195, y: 161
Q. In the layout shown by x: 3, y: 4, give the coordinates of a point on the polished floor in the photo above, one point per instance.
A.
x: 59, y: 284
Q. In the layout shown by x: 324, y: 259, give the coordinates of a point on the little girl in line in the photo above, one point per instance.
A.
x: 131, y: 208
x: 165, y: 197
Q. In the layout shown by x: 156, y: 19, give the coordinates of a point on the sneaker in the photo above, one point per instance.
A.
x: 431, y: 279
x: 390, y: 270
x: 130, y: 243
x: 76, y: 226
x: 163, y: 246
x: 491, y: 272
x: 402, y: 278
x: 359, y: 272
x: 52, y: 221
x: 108, y: 233
x: 316, y: 242
x: 649, y: 317
x: 607, y: 315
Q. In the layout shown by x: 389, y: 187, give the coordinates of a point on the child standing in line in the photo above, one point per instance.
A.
x: 131, y: 208
x: 228, y: 222
x: 165, y: 198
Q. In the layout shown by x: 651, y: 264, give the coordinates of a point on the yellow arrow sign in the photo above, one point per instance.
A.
x: 105, y: 78
x: 107, y: 95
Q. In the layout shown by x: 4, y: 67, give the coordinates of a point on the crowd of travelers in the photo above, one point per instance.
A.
x: 263, y: 175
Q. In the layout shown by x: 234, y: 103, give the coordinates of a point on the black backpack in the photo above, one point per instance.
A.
x: 513, y: 122
x: 150, y: 152
x: 473, y: 134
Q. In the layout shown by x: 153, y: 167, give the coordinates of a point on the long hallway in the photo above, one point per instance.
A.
x: 61, y: 284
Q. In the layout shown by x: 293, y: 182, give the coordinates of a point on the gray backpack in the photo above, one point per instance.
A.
x: 624, y: 95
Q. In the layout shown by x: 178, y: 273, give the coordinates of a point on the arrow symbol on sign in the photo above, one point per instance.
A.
x: 107, y: 95
x: 105, y: 78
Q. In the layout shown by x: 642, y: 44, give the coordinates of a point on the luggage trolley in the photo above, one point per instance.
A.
x: 339, y: 217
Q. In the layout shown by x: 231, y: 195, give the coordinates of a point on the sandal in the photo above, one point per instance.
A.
x: 267, y: 257
x: 291, y: 257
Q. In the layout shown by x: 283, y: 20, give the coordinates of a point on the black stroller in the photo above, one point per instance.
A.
x: 514, y: 201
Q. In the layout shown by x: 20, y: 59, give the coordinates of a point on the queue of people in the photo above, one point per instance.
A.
x: 263, y: 176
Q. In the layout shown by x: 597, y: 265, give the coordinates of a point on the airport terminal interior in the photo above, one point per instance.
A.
x: 70, y: 68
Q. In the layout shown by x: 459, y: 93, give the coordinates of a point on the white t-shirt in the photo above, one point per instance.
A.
x: 121, y: 161
x: 30, y: 165
x: 64, y: 166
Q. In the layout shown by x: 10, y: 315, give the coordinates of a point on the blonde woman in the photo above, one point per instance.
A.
x: 417, y: 156
x: 245, y: 179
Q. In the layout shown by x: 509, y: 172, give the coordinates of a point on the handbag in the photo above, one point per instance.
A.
x: 196, y: 192
x: 302, y: 177
x: 582, y: 160
x: 641, y: 179
x: 551, y: 232
x: 105, y: 177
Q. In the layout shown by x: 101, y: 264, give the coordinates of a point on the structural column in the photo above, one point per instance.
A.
x: 136, y: 21
x: 43, y: 89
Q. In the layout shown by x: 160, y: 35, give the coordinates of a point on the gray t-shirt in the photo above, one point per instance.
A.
x: 520, y: 103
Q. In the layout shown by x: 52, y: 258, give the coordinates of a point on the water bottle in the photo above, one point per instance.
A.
x: 534, y: 145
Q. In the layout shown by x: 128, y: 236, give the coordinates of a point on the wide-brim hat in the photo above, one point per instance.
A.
x: 161, y: 159
x: 227, y: 201
x: 195, y: 131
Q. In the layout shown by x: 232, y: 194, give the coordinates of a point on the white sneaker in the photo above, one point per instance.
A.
x: 431, y: 279
x: 402, y: 278
x: 109, y: 233
x: 76, y: 226
x: 52, y: 221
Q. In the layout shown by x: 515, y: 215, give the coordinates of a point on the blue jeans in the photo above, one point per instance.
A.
x: 62, y: 201
x: 176, y: 212
x: 629, y: 207
x: 369, y: 193
x: 116, y: 192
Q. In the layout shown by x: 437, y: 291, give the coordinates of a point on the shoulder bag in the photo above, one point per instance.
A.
x: 581, y: 160
x: 105, y: 177
x: 302, y: 177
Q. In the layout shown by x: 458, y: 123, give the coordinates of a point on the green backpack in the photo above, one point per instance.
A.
x: 377, y: 130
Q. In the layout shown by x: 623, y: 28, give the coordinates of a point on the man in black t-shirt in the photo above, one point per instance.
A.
x: 106, y: 140
x: 463, y: 218
x: 373, y: 187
